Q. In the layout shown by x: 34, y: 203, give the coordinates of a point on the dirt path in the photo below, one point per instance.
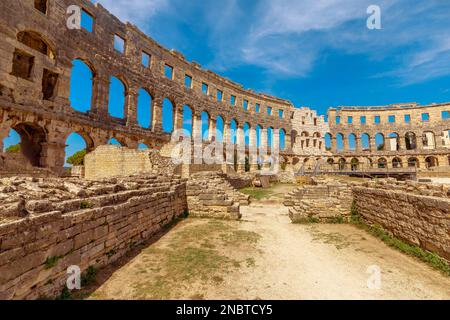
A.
x: 266, y: 257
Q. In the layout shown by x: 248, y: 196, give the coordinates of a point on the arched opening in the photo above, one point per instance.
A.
x: 187, y: 120
x: 117, y: 94
x: 410, y: 141
x: 144, y: 108
x: 81, y: 81
x: 379, y: 142
x: 294, y: 135
x: 354, y: 164
x: 76, y: 148
x: 396, y: 163
x: 233, y: 131
x: 352, y: 142
x: 342, y: 164
x: 282, y: 139
x: 330, y: 161
x: 27, y: 138
x: 413, y: 163
x: 328, y: 138
x: 340, y: 142
x: 142, y: 146
x: 114, y: 142
x: 428, y: 140
x: 295, y: 161
x: 382, y: 163
x: 247, y: 133
x: 431, y: 162
x: 219, y: 128
x: 11, y: 144
x: 365, y: 142
x: 167, y: 115
x: 205, y: 125
x: 35, y: 41
x: 393, y: 141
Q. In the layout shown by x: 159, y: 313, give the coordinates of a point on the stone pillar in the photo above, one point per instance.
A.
x: 197, y: 138
x: 401, y: 142
x: 240, y: 142
x: 358, y: 146
x: 100, y: 96
x: 373, y: 144
x: 212, y: 132
x: 53, y: 156
x: 131, y: 101
x: 264, y: 139
x: 333, y: 145
x: 157, y: 114
x: 288, y: 143
x: 178, y: 120
x: 253, y: 150
x: 438, y: 142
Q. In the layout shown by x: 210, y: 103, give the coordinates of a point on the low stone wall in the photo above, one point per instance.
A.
x: 209, y: 194
x: 93, y: 224
x: 322, y: 202
x: 417, y: 213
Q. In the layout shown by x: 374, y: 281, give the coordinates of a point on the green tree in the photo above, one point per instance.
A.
x: 77, y: 159
x: 13, y: 149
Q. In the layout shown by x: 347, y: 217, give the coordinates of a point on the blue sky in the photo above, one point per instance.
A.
x: 315, y: 53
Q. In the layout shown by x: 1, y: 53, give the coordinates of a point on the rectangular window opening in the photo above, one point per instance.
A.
x: 407, y: 118
x: 445, y: 115
x: 188, y: 81
x: 168, y: 71
x: 119, y: 43
x: 233, y: 100
x: 363, y: 119
x: 391, y: 119
x: 425, y: 117
x: 146, y: 59
x: 245, y: 105
x: 87, y: 21
x: 257, y: 107
x: 219, y: 95
x: 205, y: 88
x: 22, y: 64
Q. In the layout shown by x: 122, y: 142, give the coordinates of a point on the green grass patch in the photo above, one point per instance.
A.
x: 377, y: 231
x: 257, y: 193
x: 50, y: 262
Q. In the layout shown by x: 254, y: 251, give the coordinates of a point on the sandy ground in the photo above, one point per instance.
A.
x: 292, y: 262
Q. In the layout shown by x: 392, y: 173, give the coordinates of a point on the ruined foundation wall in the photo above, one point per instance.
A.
x: 319, y: 202
x: 209, y: 194
x: 419, y: 214
x: 35, y: 251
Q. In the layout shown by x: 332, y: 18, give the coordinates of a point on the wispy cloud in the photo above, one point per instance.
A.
x: 134, y: 11
x: 288, y: 38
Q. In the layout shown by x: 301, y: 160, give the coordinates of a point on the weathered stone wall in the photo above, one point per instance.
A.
x: 322, y: 202
x: 113, y: 161
x: 417, y: 213
x: 209, y: 194
x: 93, y: 224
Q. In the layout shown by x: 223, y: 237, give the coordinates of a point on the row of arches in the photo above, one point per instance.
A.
x: 382, y: 163
x: 81, y: 93
x: 390, y: 142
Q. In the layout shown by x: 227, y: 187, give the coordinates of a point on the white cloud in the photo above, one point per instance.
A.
x: 134, y: 11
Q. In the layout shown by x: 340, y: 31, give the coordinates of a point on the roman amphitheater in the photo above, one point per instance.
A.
x: 387, y: 164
